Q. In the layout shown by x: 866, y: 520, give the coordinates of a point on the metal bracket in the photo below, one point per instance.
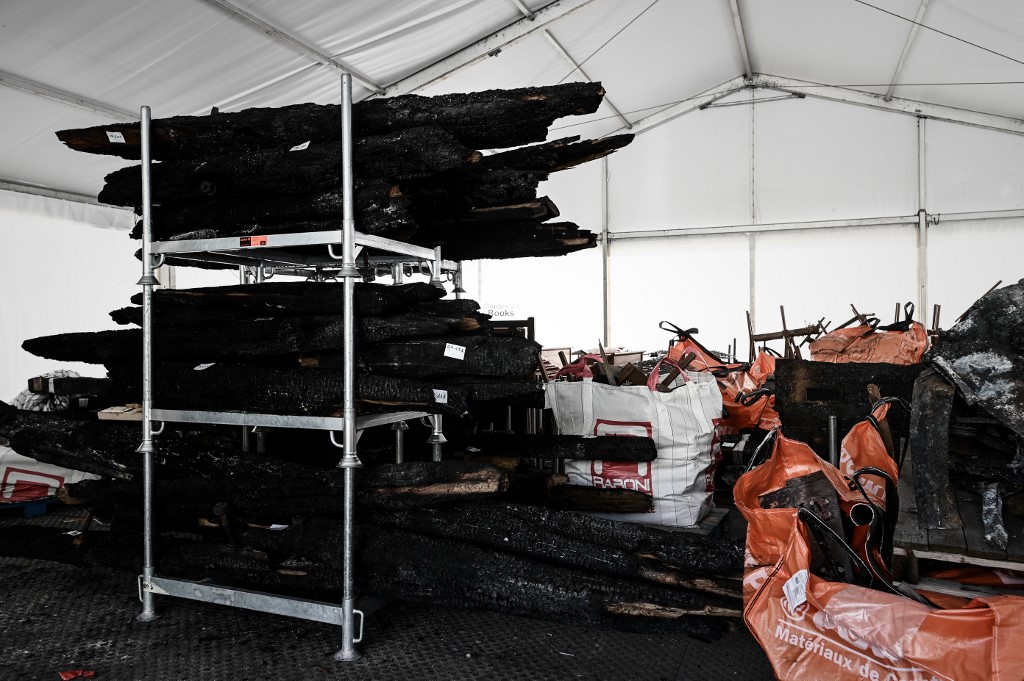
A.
x: 154, y: 431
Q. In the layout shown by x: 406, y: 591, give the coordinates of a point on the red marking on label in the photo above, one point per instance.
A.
x: 252, y: 241
x: 19, y: 484
x: 623, y: 428
x: 633, y: 475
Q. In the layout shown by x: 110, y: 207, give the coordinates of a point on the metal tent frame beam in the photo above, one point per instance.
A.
x: 899, y: 105
x: 482, y: 49
x: 741, y: 37
x: 64, y: 97
x: 906, y: 49
x: 291, y: 41
x: 692, y: 104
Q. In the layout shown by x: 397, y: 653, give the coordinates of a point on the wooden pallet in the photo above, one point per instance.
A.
x: 966, y: 544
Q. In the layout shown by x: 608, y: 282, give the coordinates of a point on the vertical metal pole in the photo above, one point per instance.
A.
x: 436, y: 273
x: 606, y: 256
x: 457, y: 281
x: 833, y: 441
x: 922, y: 227
x: 400, y: 427
x: 147, y: 448
x: 349, y: 461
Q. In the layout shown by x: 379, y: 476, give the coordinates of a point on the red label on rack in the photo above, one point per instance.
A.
x: 252, y: 241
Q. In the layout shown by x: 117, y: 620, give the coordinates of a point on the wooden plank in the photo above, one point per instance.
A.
x: 132, y: 412
x: 960, y: 559
x: 909, y: 534
x: 973, y: 528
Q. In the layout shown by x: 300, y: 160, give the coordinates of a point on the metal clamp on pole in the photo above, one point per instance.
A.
x: 436, y: 438
x: 147, y: 448
x: 457, y: 282
x: 437, y: 270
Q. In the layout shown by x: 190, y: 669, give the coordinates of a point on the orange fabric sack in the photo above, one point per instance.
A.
x: 813, y: 628
x: 900, y: 343
x: 741, y: 384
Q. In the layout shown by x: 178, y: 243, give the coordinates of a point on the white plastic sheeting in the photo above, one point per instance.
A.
x: 969, y: 169
x: 59, y: 276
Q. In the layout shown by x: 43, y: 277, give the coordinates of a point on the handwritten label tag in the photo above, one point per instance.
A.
x: 796, y: 589
x: 278, y: 528
x: 454, y: 351
x: 440, y: 396
x: 115, y: 137
x: 300, y: 147
x: 201, y: 367
x: 248, y: 241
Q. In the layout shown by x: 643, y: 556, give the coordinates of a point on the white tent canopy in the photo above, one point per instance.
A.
x: 806, y: 153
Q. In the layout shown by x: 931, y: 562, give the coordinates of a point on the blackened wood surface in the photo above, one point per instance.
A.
x: 70, y: 385
x: 558, y: 154
x: 380, y: 208
x: 511, y: 357
x: 480, y: 120
x: 454, y: 574
x: 507, y: 240
x: 299, y: 298
x: 424, y: 483
x: 567, y: 447
x: 515, y: 393
x: 985, y: 354
x: 929, y: 440
x: 279, y: 171
x: 275, y: 390
x: 807, y: 393
x: 540, y: 534
x: 599, y: 500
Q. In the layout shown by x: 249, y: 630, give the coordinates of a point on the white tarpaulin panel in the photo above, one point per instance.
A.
x: 966, y: 258
x: 970, y: 169
x: 820, y: 273
x: 61, y: 277
x: 691, y: 172
x: 698, y: 281
x: 818, y: 160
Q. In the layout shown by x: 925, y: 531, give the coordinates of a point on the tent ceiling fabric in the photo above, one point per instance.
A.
x: 187, y: 56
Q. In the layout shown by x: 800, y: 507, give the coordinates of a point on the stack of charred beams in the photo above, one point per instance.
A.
x: 419, y: 174
x: 481, y: 530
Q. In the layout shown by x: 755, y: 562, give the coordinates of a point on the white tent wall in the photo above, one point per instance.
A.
x: 777, y: 168
x: 61, y: 275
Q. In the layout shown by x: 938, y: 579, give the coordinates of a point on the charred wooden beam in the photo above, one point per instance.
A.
x: 599, y: 500
x: 515, y: 240
x: 511, y: 357
x: 807, y: 393
x: 380, y: 208
x: 515, y: 528
x: 557, y: 155
x: 454, y: 574
x: 280, y: 171
x: 567, y: 447
x: 70, y: 385
x: 299, y: 298
x: 480, y: 120
x: 984, y: 354
x: 429, y: 482
x: 276, y: 390
x: 929, y: 441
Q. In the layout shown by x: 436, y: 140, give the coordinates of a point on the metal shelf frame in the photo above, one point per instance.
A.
x: 268, y: 251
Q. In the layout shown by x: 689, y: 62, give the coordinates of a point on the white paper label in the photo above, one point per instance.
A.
x: 275, y: 526
x: 796, y: 589
x: 440, y: 396
x: 300, y: 147
x: 73, y: 533
x: 115, y: 137
x: 204, y: 366
x: 454, y: 351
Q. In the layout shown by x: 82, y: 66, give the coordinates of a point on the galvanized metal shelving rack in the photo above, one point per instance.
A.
x: 260, y: 252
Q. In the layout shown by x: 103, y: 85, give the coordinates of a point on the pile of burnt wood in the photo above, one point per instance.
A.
x: 481, y: 531
x: 419, y: 174
x: 278, y: 348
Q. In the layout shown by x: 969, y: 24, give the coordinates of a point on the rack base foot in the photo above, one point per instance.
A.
x: 347, y: 656
x: 146, y: 617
